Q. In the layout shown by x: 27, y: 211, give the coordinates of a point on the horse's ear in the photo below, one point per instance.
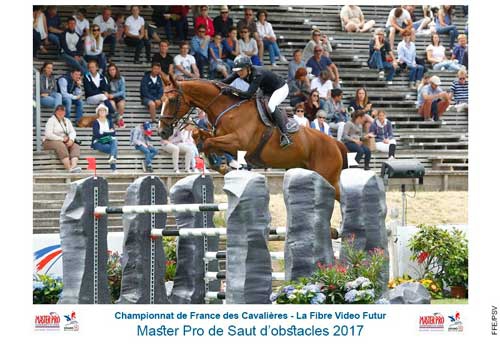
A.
x: 173, y: 80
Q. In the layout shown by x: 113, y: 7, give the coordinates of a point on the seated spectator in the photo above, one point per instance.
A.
x: 381, y: 128
x: 82, y: 23
x: 318, y: 62
x: 97, y: 89
x: 295, y: 64
x: 298, y: 115
x: 217, y: 64
x: 206, y: 21
x: 433, y: 101
x: 361, y: 102
x: 248, y: 46
x: 120, y: 27
x: 152, y: 90
x: 161, y: 17
x: 444, y: 24
x: 231, y: 47
x: 398, y: 21
x: 380, y: 52
x: 460, y: 49
x: 135, y: 34
x: 424, y: 26
x: 317, y: 39
x: 248, y: 22
x: 199, y: 47
x: 320, y: 123
x: 49, y: 97
x: 323, y: 85
x: 70, y: 87
x: 180, y: 20
x: 40, y: 26
x: 171, y: 16
x: 425, y: 81
x: 266, y: 32
x: 407, y: 53
x: 460, y: 91
x: 54, y: 26
x: 436, y: 55
x: 353, y: 20
x: 140, y: 138
x: 104, y: 136
x: 185, y: 64
x: 311, y: 106
x: 352, y: 138
x: 336, y: 114
x: 300, y: 87
x: 223, y: 23
x: 187, y: 138
x: 165, y: 60
x: 117, y: 93
x: 94, y: 48
x: 108, y: 28
x: 72, y: 47
x: 60, y: 136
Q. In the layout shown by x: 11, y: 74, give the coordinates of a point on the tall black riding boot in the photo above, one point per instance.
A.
x: 392, y: 150
x: 285, y: 140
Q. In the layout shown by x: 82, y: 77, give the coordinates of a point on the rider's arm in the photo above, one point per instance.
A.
x: 252, y: 89
x: 232, y: 77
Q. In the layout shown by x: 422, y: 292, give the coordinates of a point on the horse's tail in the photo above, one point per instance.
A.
x: 343, y: 151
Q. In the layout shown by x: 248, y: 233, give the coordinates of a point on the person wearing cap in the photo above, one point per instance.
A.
x: 104, y: 136
x: 381, y: 128
x: 432, y: 100
x: 352, y: 138
x: 380, y: 51
x: 407, y: 53
x: 140, y: 138
x: 320, y: 123
x: 60, y: 137
x: 152, y: 90
x: 223, y: 22
x: 269, y: 83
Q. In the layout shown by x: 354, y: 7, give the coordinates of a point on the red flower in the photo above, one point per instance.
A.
x: 422, y: 256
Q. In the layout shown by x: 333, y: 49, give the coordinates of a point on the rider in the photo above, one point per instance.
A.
x: 271, y: 85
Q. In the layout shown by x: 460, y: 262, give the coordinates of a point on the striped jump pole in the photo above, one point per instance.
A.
x: 187, y: 232
x: 140, y: 209
x: 222, y: 255
x: 222, y: 275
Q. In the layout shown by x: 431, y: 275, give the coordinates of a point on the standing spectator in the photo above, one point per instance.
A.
x: 407, y: 53
x: 60, y: 136
x: 140, y: 138
x: 82, y: 23
x: 295, y: 64
x: 217, y: 63
x: 94, y: 48
x: 249, y: 47
x: 381, y: 129
x: 398, y: 21
x: 223, y: 23
x: 300, y: 87
x: 318, y: 62
x: 323, y: 85
x: 96, y: 87
x: 206, y: 21
x: 40, y: 26
x: 336, y: 114
x: 433, y: 101
x: 135, y: 35
x: 380, y: 51
x: 460, y: 91
x: 49, y: 97
x: 248, y: 22
x: 54, y: 27
x: 353, y: 20
x: 312, y: 105
x: 231, y: 46
x: 117, y: 92
x: 185, y: 64
x: 460, y: 49
x: 352, y: 138
x: 265, y: 30
x: 72, y: 47
x: 108, y: 28
x: 444, y: 24
x: 152, y: 90
x: 298, y: 115
x: 317, y: 39
x: 436, y: 55
x: 104, y: 136
x: 176, y: 144
x: 320, y: 123
x: 164, y: 59
x: 70, y: 87
x: 361, y: 102
x: 199, y: 47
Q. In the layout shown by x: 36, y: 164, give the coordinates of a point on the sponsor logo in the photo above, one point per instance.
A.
x: 47, y: 322
x: 456, y: 324
x: 434, y: 322
x: 71, y: 325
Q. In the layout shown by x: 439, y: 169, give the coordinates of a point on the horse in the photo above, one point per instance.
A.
x: 236, y: 126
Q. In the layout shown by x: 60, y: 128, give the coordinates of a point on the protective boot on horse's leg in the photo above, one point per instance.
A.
x: 285, y: 139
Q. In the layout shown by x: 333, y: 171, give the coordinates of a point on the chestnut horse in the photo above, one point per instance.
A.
x: 237, y: 126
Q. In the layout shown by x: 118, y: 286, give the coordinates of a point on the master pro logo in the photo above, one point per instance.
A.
x: 47, y: 322
x: 434, y: 322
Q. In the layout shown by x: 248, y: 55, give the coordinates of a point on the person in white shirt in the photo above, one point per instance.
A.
x: 398, y: 21
x: 299, y: 115
x: 94, y: 48
x: 107, y: 26
x: 324, y: 86
x: 82, y: 24
x: 135, y: 35
x: 265, y: 30
x: 353, y: 19
x: 185, y: 64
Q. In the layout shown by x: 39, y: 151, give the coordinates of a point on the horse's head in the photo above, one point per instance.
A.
x: 174, y: 108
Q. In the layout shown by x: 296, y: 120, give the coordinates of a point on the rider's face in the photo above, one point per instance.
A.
x: 243, y: 73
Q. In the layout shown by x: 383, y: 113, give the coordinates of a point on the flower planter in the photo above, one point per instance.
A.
x: 458, y: 291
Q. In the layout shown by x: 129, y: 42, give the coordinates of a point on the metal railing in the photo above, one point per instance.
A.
x: 38, y: 119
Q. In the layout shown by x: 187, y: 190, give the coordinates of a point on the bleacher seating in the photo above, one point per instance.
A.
x: 441, y: 147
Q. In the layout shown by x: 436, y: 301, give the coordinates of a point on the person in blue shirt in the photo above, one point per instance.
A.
x: 319, y: 62
x: 152, y: 90
x: 199, y: 47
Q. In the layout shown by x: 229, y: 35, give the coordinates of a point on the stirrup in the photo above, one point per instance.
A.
x: 285, y: 141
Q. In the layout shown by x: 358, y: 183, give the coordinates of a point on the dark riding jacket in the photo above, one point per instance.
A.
x: 261, y: 78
